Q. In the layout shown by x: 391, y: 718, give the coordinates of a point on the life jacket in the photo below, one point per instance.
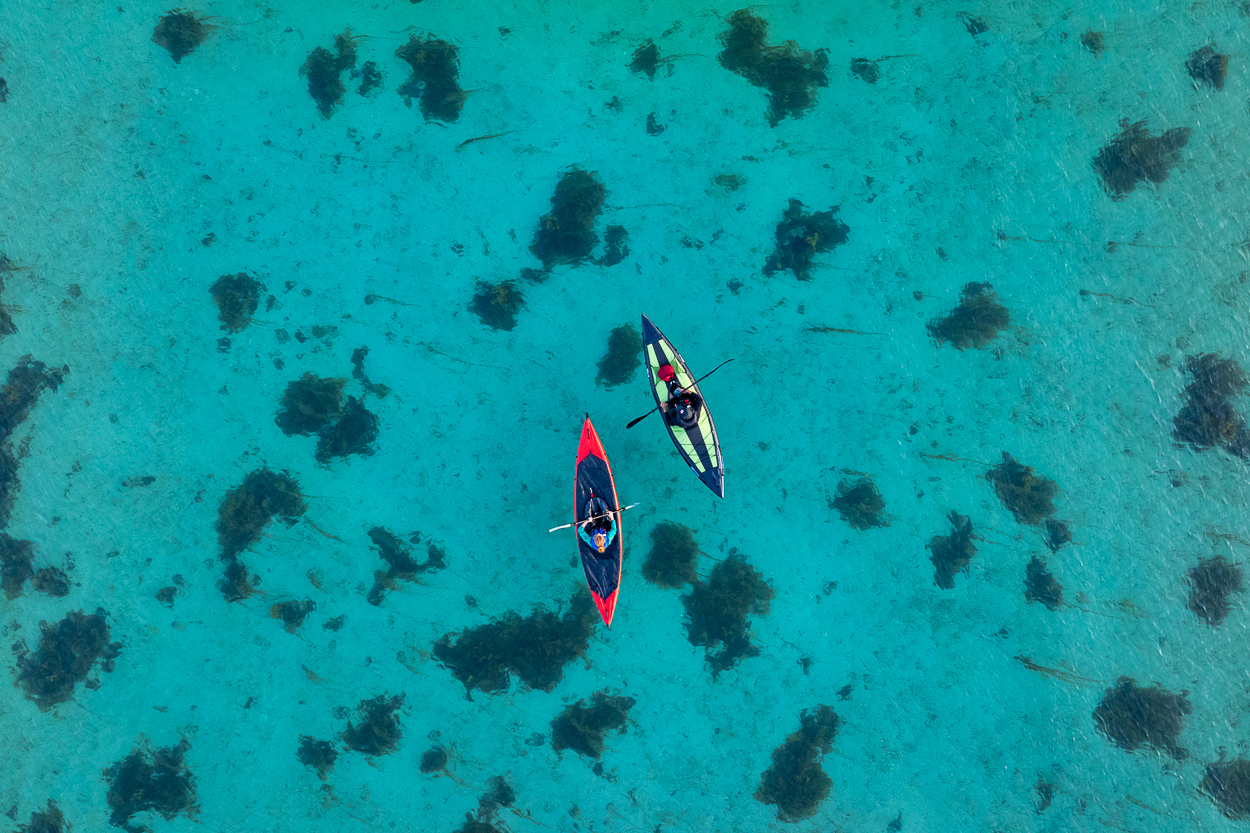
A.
x: 597, y: 506
x: 688, y: 400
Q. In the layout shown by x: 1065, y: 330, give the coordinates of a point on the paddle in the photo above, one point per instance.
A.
x: 593, y: 518
x: 687, y: 387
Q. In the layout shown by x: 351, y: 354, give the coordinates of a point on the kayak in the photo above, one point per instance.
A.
x: 594, y: 495
x: 697, y: 443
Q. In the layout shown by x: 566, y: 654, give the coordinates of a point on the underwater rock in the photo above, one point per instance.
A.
x: 497, y: 304
x: 292, y: 613
x: 654, y: 128
x: 717, y: 610
x: 1210, y: 585
x: 49, y: 821
x: 66, y: 654
x: 1135, y: 156
x: 865, y: 70
x: 615, y: 246
x: 354, y: 433
x: 795, y: 782
x: 9, y: 484
x: 1057, y: 534
x: 21, y: 390
x: 155, y: 781
x: 952, y: 553
x: 974, y: 25
x: 139, y: 482
x: 17, y: 564
x: 473, y: 825
x: 370, y: 78
x: 977, y: 320
x: 1208, y: 67
x: 237, y: 584
x: 323, y: 70
x: 535, y: 648
x: 435, y: 75
x: 800, y: 236
x: 582, y: 729
x: 180, y: 32
x: 1093, y: 41
x: 1209, y: 417
x: 237, y: 297
x: 358, y: 372
x: 1045, y: 794
x: 1024, y: 494
x: 51, y: 581
x: 309, y: 404
x: 1040, y: 585
x: 358, y: 363
x: 674, y: 553
x: 434, y: 760
x: 402, y: 564
x: 318, y: 754
x: 860, y: 504
x: 646, y: 59
x: 1228, y: 785
x: 567, y: 233
x: 498, y: 794
x: 790, y: 75
x: 7, y: 326
x: 4, y: 98
x: 379, y: 730
x: 245, y: 510
x: 1131, y: 717
x: 623, y: 357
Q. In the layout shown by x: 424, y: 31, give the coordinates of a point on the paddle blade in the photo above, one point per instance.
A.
x: 640, y: 419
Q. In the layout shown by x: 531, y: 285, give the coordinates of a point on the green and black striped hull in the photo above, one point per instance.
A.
x: 697, y: 444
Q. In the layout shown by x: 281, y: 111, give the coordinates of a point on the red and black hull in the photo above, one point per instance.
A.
x: 593, y: 478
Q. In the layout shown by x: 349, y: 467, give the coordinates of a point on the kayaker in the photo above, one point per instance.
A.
x: 599, y: 531
x: 682, y: 407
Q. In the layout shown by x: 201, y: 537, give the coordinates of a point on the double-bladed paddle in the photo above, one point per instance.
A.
x: 683, y: 390
x: 594, y: 517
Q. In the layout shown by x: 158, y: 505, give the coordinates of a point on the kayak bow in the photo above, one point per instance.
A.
x: 592, y: 484
x: 698, y: 444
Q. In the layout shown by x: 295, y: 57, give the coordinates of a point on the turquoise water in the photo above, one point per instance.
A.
x: 130, y: 183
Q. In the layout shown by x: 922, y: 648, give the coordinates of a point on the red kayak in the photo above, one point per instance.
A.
x: 594, y: 500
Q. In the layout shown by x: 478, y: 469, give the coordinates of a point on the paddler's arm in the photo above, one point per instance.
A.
x: 612, y: 531
x: 672, y: 397
x: 680, y: 393
x: 581, y: 533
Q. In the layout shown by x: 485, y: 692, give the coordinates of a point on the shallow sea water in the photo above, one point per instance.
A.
x: 968, y: 160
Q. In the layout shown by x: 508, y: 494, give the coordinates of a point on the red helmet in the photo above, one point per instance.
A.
x: 666, y: 372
